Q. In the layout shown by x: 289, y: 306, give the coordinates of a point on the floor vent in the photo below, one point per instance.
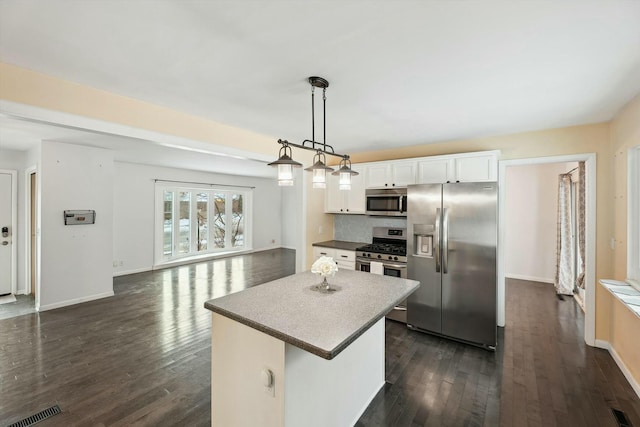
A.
x: 42, y: 415
x: 621, y: 418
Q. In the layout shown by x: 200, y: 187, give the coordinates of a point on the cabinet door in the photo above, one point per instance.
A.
x: 378, y: 175
x: 333, y: 197
x: 476, y: 168
x: 319, y: 251
x: 436, y: 171
x: 355, y: 198
x: 403, y: 174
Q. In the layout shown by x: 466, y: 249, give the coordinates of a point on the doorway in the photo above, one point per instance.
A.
x: 32, y: 282
x: 8, y: 224
x: 590, y: 181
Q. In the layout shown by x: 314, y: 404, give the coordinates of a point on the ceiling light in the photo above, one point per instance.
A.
x: 345, y: 173
x: 319, y: 170
x: 286, y: 164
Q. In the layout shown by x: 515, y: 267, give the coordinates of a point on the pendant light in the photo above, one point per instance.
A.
x: 285, y: 165
x: 319, y: 168
x: 345, y: 172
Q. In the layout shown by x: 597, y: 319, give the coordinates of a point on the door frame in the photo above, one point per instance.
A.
x: 590, y: 234
x: 14, y: 228
x: 27, y: 216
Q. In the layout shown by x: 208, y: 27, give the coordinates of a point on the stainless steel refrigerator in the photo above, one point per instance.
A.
x: 451, y: 250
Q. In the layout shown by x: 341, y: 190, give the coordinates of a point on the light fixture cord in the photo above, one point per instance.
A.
x: 313, y: 115
x: 324, y: 117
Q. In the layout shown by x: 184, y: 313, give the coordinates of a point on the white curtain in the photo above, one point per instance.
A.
x: 564, y: 248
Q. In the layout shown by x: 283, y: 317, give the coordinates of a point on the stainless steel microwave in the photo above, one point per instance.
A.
x: 387, y: 202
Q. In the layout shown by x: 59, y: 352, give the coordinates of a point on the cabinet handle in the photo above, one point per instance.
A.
x: 323, y: 253
x: 347, y: 210
x: 344, y: 256
x: 340, y: 210
x: 393, y: 184
x: 386, y: 185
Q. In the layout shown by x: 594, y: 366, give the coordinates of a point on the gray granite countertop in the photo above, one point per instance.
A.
x: 322, y: 324
x: 340, y: 244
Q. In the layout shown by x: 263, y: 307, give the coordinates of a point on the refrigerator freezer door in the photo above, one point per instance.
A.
x: 469, y: 284
x: 423, y: 216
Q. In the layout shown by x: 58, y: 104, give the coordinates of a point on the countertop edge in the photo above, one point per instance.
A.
x: 339, y: 244
x: 325, y: 354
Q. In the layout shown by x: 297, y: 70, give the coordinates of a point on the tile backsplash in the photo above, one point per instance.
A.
x: 358, y: 228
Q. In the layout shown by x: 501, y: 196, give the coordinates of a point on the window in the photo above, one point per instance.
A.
x: 194, y: 221
x: 633, y: 217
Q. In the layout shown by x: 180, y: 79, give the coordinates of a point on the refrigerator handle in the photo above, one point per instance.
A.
x: 436, y: 239
x: 445, y: 241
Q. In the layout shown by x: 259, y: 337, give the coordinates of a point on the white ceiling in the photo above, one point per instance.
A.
x: 400, y: 72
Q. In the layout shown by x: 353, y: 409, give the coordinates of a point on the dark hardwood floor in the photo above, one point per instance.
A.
x: 542, y: 374
x: 143, y: 357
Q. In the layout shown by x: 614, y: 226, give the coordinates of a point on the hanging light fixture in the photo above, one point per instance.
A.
x: 345, y: 172
x: 285, y: 165
x: 319, y: 168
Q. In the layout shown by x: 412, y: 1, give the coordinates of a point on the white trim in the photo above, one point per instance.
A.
x: 605, y: 345
x: 14, y: 228
x: 134, y: 271
x: 74, y: 301
x: 529, y: 278
x: 590, y: 245
x: 27, y: 232
x: 633, y: 213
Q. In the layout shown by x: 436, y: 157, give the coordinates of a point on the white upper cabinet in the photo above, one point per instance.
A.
x: 346, y: 201
x: 435, y: 171
x: 391, y: 174
x: 474, y: 167
x: 468, y: 167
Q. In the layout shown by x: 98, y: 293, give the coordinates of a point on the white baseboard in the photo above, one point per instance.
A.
x: 74, y: 301
x: 616, y: 357
x: 529, y: 278
x: 134, y: 271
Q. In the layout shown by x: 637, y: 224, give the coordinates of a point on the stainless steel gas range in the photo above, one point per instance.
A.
x: 386, y: 255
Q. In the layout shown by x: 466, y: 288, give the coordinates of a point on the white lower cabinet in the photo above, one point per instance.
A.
x: 346, y: 260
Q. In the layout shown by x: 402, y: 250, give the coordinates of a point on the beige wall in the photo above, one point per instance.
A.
x: 624, y: 326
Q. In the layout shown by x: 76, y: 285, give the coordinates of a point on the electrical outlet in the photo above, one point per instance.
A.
x: 613, y: 243
x: 320, y: 229
x: 273, y: 241
x: 115, y: 263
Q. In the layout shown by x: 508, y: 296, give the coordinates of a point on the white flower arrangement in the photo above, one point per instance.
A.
x: 324, y: 266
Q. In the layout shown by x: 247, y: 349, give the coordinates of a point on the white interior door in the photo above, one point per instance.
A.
x: 6, y: 204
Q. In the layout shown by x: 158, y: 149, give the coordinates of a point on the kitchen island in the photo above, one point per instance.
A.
x: 286, y: 355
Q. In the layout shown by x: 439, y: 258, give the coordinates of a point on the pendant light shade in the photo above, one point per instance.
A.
x: 319, y: 169
x: 285, y: 166
x: 345, y: 172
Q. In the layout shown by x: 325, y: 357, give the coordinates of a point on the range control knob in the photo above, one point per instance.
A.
x: 379, y: 256
x: 395, y: 258
x: 364, y: 254
x: 390, y: 257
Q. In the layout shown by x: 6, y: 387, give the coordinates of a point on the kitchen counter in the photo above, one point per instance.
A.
x: 298, y: 357
x: 340, y: 244
x: 322, y: 324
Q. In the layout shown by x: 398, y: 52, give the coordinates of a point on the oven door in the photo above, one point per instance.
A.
x: 399, y: 312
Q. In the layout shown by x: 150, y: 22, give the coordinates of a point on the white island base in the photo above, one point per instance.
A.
x: 307, y: 389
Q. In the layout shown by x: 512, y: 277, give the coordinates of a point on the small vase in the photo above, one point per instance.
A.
x: 325, y: 287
